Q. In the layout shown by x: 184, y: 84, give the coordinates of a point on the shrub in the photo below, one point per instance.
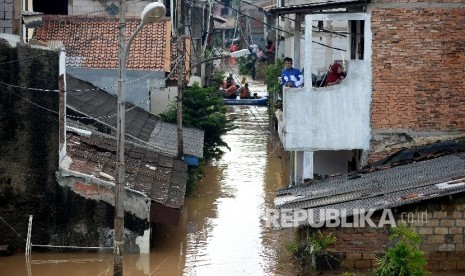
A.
x: 404, y: 258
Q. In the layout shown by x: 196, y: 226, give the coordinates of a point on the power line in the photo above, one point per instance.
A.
x: 275, y: 28
x: 12, y: 229
x: 71, y: 116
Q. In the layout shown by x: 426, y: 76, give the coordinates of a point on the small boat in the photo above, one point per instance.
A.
x: 253, y: 101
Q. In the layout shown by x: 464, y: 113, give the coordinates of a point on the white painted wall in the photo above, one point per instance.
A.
x: 335, y: 117
x: 330, y: 118
x: 77, y: 7
x: 161, y: 99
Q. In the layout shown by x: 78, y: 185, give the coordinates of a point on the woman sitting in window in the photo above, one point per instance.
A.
x: 336, y: 74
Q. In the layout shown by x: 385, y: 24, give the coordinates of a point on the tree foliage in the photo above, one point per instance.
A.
x: 203, y: 109
x: 404, y: 258
x: 272, y: 73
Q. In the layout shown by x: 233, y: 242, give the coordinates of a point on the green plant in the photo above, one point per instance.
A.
x: 272, y: 73
x: 245, y: 65
x: 203, y: 109
x: 217, y: 79
x: 312, y: 251
x: 321, y: 241
x: 404, y: 258
x: 194, y: 174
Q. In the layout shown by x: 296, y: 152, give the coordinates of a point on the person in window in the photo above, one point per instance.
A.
x: 336, y: 74
x: 290, y: 76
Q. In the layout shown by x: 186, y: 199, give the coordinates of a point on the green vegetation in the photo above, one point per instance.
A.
x: 245, y: 65
x: 272, y: 73
x: 194, y: 174
x: 404, y: 258
x: 217, y: 79
x: 311, y: 251
x: 203, y: 109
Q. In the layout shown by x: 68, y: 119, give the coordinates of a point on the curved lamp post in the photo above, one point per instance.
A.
x: 153, y: 12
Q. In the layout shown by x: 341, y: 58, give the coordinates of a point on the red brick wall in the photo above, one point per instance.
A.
x: 359, y: 247
x: 440, y: 224
x: 418, y: 68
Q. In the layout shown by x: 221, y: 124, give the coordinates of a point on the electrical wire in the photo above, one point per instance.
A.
x: 275, y: 28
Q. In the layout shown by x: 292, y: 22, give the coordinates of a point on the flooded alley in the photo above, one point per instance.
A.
x: 222, y: 230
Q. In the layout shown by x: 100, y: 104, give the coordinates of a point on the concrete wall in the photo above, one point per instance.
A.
x: 92, y: 188
x: 137, y: 92
x: 418, y: 54
x: 329, y: 118
x: 29, y: 132
x: 161, y: 99
x: 6, y: 16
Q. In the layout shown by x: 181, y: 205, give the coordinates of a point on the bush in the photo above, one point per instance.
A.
x: 203, y: 109
x: 404, y: 258
x: 272, y: 73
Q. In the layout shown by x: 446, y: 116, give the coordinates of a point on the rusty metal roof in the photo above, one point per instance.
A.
x: 141, y: 125
x: 160, y: 177
x: 388, y: 188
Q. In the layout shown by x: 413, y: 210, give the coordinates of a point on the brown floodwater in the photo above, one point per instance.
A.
x: 222, y: 230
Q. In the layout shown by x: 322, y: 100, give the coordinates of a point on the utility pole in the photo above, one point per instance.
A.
x: 153, y: 12
x: 120, y: 165
x: 180, y: 46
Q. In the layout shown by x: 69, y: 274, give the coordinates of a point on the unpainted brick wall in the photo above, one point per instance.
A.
x: 418, y: 64
x: 418, y: 58
x: 440, y: 224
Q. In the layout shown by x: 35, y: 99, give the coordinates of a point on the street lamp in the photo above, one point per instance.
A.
x: 153, y: 12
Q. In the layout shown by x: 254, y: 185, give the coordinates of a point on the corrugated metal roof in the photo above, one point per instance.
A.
x: 140, y: 124
x: 161, y: 178
x: 388, y: 188
x: 319, y: 7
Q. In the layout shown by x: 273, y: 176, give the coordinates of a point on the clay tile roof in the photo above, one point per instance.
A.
x: 92, y: 42
x: 161, y: 178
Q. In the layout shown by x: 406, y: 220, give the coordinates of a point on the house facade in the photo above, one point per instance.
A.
x: 422, y: 188
x: 71, y: 171
x: 91, y: 45
x: 400, y: 90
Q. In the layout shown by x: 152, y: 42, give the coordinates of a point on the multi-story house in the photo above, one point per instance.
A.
x: 401, y: 88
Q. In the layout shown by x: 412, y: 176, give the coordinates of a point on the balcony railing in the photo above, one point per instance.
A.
x: 328, y: 118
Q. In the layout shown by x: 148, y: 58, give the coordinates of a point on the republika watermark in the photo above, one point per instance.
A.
x: 353, y: 218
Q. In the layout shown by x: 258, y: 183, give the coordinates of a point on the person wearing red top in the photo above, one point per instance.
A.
x: 336, y: 74
x: 270, y: 50
x: 231, y: 92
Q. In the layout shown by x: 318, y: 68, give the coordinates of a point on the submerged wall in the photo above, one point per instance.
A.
x: 29, y: 159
